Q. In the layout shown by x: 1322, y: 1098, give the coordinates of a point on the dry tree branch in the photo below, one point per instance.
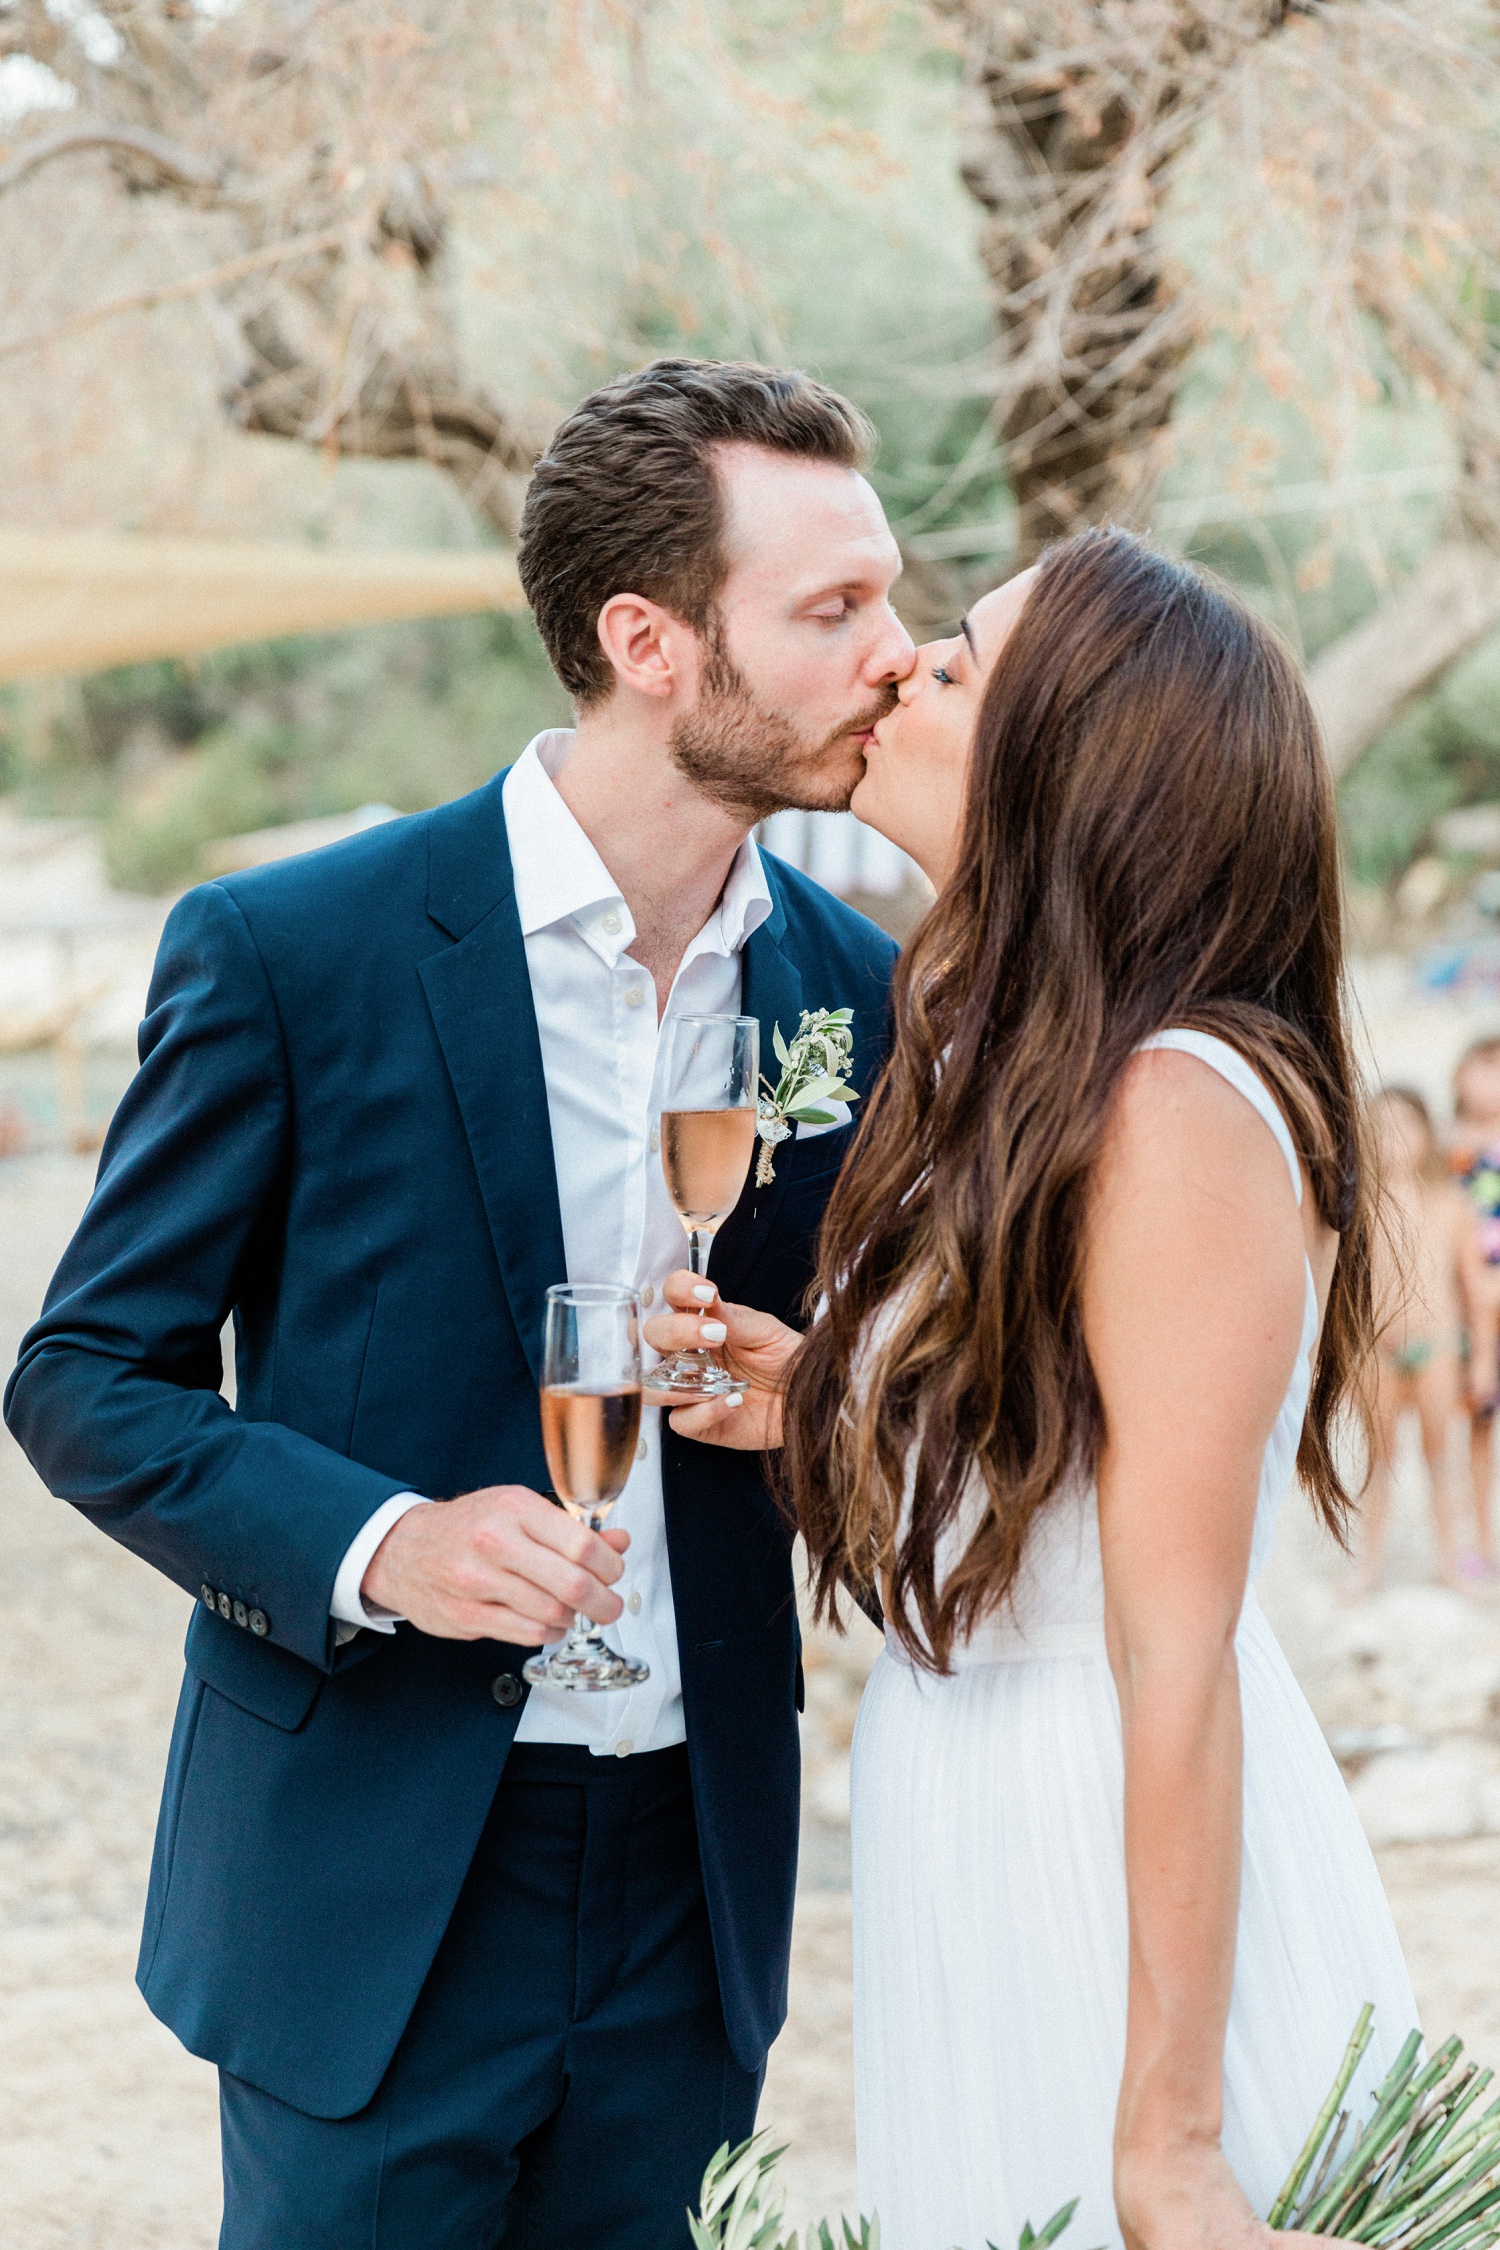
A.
x: 178, y: 165
x: 170, y: 292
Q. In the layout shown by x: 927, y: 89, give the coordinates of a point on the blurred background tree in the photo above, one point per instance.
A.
x: 332, y: 268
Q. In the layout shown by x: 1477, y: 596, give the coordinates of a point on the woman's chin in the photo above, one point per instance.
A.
x: 866, y: 805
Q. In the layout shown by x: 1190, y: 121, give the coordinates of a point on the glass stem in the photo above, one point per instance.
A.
x: 584, y: 1627
x: 700, y: 1242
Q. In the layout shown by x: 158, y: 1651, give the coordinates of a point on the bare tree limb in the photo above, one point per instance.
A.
x: 179, y: 165
x: 169, y: 292
x: 1367, y: 677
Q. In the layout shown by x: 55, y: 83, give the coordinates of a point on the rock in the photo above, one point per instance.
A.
x: 1418, y: 1796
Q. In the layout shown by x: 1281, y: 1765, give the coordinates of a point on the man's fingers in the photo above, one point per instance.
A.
x: 570, y: 1583
x: 543, y: 1525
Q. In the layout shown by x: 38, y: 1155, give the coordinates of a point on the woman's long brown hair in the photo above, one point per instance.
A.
x: 1149, y: 840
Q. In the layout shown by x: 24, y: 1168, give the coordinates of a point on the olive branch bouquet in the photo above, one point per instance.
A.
x: 740, y: 2206
x: 1422, y: 2173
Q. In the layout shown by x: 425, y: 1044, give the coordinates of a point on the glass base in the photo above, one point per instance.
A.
x: 690, y: 1375
x: 585, y: 1664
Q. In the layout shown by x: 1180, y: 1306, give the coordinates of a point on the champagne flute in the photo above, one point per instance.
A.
x: 709, y: 1094
x: 591, y: 1419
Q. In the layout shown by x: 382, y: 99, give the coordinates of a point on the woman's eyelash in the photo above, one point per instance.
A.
x: 941, y: 673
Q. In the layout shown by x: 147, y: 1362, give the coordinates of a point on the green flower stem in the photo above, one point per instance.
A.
x: 1324, y: 2168
x: 1353, y: 2056
x: 1441, y: 2221
x: 1475, y: 2081
x: 1399, y: 2094
x: 1418, y: 2184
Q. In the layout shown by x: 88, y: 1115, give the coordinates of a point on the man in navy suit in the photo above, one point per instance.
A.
x: 485, y: 1966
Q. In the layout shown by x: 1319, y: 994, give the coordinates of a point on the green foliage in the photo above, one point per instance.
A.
x: 171, y: 756
x: 740, y: 2206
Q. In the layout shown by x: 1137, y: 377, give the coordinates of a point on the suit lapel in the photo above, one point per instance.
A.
x: 772, y: 992
x: 479, y: 995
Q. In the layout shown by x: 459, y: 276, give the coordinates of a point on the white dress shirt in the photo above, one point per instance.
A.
x: 602, y: 1050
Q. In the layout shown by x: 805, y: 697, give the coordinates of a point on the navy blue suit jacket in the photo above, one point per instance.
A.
x: 339, y: 1132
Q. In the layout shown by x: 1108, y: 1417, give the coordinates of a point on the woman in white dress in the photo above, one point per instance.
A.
x: 1097, y: 1283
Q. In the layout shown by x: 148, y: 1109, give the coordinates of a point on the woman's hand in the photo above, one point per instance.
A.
x: 1185, y: 2197
x: 756, y: 1349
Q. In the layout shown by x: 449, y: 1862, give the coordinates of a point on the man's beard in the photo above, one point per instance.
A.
x: 754, y: 760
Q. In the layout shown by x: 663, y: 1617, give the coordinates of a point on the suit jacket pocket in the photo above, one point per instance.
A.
x: 268, y: 1682
x: 816, y: 1160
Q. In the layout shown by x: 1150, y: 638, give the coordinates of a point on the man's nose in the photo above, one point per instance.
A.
x: 895, y: 657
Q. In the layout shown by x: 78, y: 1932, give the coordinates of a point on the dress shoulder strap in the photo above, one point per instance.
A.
x: 1232, y: 1066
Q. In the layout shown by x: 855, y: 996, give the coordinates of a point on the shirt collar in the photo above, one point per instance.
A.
x: 559, y: 876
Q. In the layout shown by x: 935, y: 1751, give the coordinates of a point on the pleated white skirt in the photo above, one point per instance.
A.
x: 990, y: 1944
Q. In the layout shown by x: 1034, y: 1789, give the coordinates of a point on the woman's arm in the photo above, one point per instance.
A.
x: 1193, y: 1301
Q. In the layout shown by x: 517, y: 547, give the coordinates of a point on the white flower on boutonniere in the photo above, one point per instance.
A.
x: 812, y: 1073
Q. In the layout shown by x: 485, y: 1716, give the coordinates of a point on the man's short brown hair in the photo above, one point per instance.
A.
x: 625, y: 500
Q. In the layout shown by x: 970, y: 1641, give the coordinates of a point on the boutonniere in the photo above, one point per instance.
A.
x: 812, y: 1073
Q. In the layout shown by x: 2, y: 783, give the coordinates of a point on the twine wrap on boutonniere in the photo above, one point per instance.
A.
x: 812, y: 1073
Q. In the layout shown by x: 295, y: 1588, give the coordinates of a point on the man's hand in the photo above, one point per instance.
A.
x: 498, y: 1565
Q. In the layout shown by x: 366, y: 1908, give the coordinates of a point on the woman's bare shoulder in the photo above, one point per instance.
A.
x: 1174, y: 1113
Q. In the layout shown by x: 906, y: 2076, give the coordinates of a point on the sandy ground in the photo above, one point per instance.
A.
x: 108, y: 2130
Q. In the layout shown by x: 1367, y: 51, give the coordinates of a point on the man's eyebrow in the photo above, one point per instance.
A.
x: 968, y: 633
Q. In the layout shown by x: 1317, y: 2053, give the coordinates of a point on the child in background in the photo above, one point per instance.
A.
x: 1419, y: 1258
x: 1476, y: 1163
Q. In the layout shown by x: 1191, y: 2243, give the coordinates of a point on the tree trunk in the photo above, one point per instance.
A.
x: 1078, y: 110
x: 1364, y: 680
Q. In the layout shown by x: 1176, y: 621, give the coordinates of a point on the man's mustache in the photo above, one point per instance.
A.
x: 872, y: 716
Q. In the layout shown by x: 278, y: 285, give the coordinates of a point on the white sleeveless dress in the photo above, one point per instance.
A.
x: 989, y: 1893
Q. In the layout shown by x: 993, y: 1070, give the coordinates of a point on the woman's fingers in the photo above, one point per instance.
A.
x: 712, y: 1415
x: 680, y: 1332
x: 689, y: 1291
x: 746, y: 1421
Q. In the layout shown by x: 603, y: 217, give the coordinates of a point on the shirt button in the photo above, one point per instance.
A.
x: 648, y: 1293
x: 641, y: 1450
x: 655, y: 1141
x: 634, y: 996
x: 633, y: 1603
x: 623, y: 1749
x: 611, y: 925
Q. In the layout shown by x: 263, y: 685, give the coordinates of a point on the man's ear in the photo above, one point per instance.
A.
x: 647, y: 648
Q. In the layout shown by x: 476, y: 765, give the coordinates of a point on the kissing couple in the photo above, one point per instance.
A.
x: 1030, y: 1345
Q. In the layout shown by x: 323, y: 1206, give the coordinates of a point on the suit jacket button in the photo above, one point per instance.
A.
x: 506, y: 1689
x: 206, y: 1596
x: 258, y: 1622
x: 241, y: 1614
x: 226, y: 1607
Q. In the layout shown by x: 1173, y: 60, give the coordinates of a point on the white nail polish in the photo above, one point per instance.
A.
x: 735, y: 1398
x: 712, y: 1331
x: 704, y: 1292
